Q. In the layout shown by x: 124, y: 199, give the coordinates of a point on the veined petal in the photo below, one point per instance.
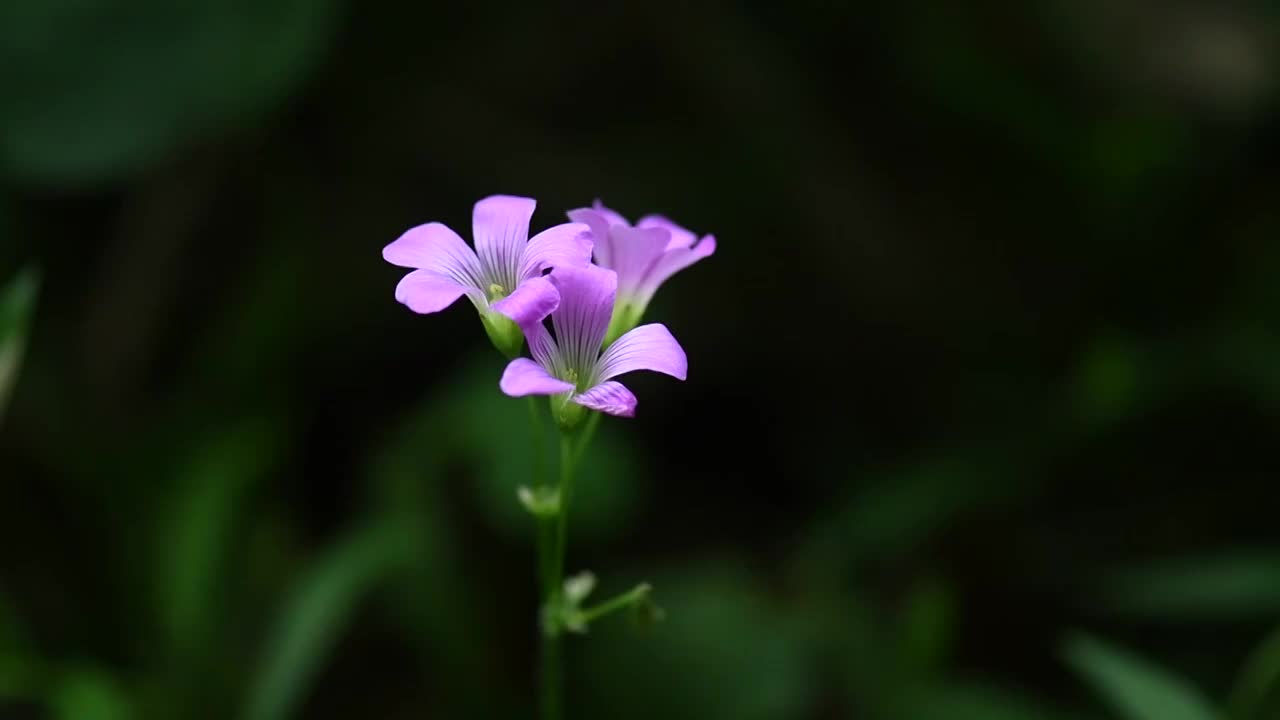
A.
x: 437, y: 248
x: 567, y: 245
x: 526, y: 377
x: 543, y: 347
x: 586, y: 304
x: 648, y: 347
x: 610, y: 397
x: 531, y: 303
x: 425, y: 291
x: 680, y: 237
x: 601, y: 233
x: 636, y: 251
x: 500, y: 224
x: 673, y: 261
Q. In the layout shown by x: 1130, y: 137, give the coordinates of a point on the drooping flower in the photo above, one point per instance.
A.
x: 644, y: 257
x: 505, y: 258
x: 571, y: 365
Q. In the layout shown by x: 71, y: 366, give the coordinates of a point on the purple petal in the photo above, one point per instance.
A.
x: 648, y: 347
x: 586, y: 304
x: 567, y: 245
x: 531, y: 303
x: 601, y: 235
x: 673, y: 261
x: 424, y: 291
x: 500, y: 224
x: 636, y: 251
x: 437, y: 248
x: 542, y: 346
x: 526, y: 377
x: 613, y: 217
x: 679, y: 236
x: 609, y: 397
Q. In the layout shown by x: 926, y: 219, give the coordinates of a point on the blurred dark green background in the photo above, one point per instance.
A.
x: 984, y: 384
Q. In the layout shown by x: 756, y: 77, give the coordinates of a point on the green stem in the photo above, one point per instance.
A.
x: 552, y: 681
x: 567, y: 458
x: 546, y: 546
x: 621, y: 602
x: 557, y: 538
x: 588, y: 431
x: 551, y: 689
x: 539, y: 452
x: 553, y: 538
x: 549, y: 576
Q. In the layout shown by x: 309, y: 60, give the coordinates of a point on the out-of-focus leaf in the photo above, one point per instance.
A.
x: 1256, y: 691
x: 949, y: 52
x: 975, y: 702
x: 1108, y: 380
x: 316, y: 613
x: 1223, y: 585
x: 90, y: 694
x: 198, y: 529
x: 723, y: 651
x: 1123, y: 153
x: 1134, y: 688
x: 451, y: 629
x: 17, y: 301
x: 97, y: 89
x: 19, y: 669
x: 493, y: 431
x: 927, y: 627
x: 898, y: 513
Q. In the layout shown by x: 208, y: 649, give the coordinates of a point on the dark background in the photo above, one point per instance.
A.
x: 986, y: 365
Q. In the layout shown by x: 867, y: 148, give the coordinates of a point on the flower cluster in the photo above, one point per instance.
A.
x: 595, y: 309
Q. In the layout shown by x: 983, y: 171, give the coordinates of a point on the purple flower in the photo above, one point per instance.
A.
x: 505, y: 258
x: 644, y: 257
x: 571, y: 365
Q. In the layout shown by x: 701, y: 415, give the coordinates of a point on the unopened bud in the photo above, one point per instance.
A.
x: 578, y: 587
x: 542, y: 503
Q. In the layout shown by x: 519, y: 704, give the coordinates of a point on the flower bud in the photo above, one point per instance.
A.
x: 542, y: 503
x: 578, y: 587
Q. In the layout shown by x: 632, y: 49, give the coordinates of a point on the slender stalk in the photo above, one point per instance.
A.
x: 621, y: 602
x: 550, y: 690
x: 556, y: 537
x: 552, y: 681
x: 567, y: 458
x: 552, y: 537
x: 588, y: 432
x: 539, y: 451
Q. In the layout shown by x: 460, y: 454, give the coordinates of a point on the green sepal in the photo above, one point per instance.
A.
x: 626, y: 315
x: 568, y: 414
x: 503, y: 332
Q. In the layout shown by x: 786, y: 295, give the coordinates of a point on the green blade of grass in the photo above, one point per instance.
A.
x: 17, y: 300
x: 1134, y: 688
x: 313, y: 618
x: 1257, y: 682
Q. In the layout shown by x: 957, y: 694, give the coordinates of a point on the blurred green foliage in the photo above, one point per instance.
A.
x: 989, y: 355
x: 1136, y: 689
x: 98, y: 90
x: 17, y: 301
